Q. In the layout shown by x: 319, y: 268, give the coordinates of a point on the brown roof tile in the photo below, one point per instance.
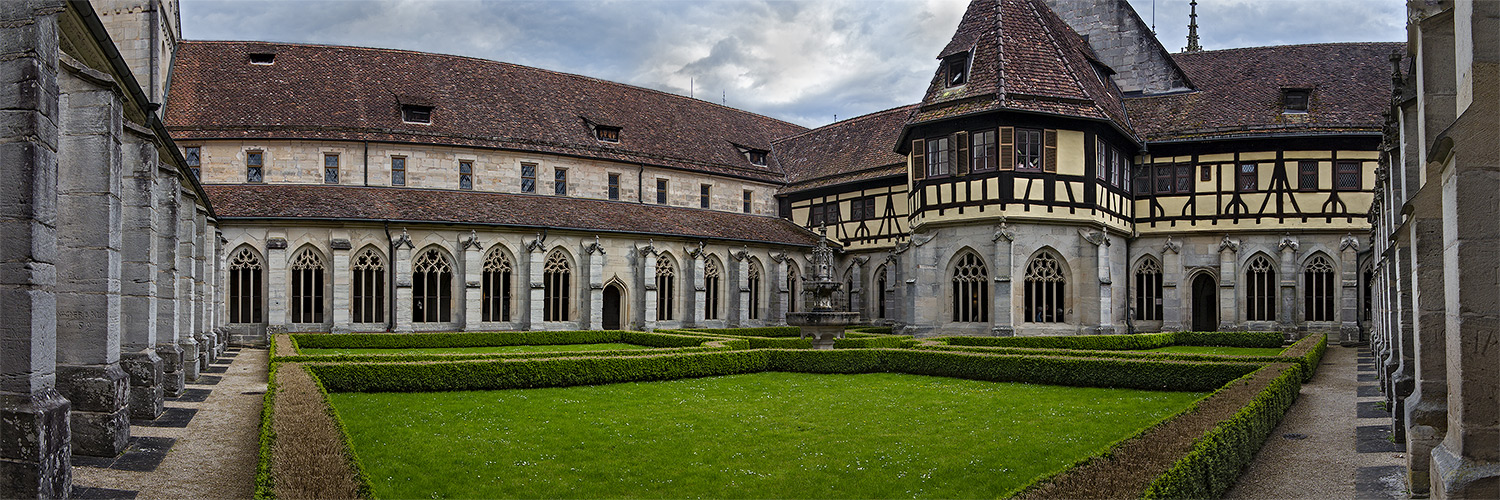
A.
x: 1239, y: 92
x: 313, y: 202
x: 844, y: 150
x: 355, y: 93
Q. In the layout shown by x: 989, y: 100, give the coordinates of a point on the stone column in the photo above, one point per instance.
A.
x: 138, y: 274
x: 647, y: 282
x: 925, y: 287
x: 186, y: 234
x: 1426, y: 409
x: 1172, y: 273
x: 208, y: 242
x: 1229, y: 305
x: 1096, y: 242
x: 779, y: 292
x: 167, y: 196
x: 1392, y: 353
x: 473, y: 289
x: 88, y: 258
x: 1004, y: 322
x: 35, y: 449
x: 536, y: 262
x: 1349, y: 291
x: 341, y: 279
x: 593, y: 315
x: 692, y: 266
x: 1286, y: 317
x: 278, y: 288
x: 200, y: 288
x: 401, y: 262
x: 857, y: 293
x: 739, y: 275
x: 220, y: 274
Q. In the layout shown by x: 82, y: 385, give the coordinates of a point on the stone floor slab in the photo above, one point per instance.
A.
x: 193, y: 396
x: 1371, y: 409
x: 90, y: 493
x: 224, y: 368
x: 206, y: 380
x: 1363, y: 377
x: 1369, y: 391
x: 1380, y: 483
x: 1374, y: 439
x: 173, y: 417
x: 142, y: 454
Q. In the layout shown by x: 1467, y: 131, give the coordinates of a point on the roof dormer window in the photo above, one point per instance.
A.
x: 956, y: 69
x: 607, y: 134
x: 412, y: 113
x: 262, y: 58
x: 757, y: 157
x: 1294, y: 100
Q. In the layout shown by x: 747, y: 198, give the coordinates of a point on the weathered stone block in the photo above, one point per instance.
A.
x: 190, y: 353
x: 143, y: 369
x: 35, y: 455
x: 93, y: 388
x: 100, y: 434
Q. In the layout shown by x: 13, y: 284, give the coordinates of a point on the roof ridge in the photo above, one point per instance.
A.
x: 1259, y: 47
x: 847, y: 121
x: 492, y: 61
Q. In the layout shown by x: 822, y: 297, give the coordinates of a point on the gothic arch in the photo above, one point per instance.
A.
x: 713, y: 287
x: 1146, y: 279
x: 1046, y: 296
x: 755, y: 281
x: 667, y: 276
x: 1260, y: 287
x: 879, y: 283
x: 246, y: 295
x: 1319, y: 287
x: 433, y: 283
x: 499, y: 271
x: 794, y: 287
x: 308, y: 285
x: 559, y: 278
x: 368, y: 269
x: 968, y: 287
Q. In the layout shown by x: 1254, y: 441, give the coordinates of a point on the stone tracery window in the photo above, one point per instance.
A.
x: 1317, y: 289
x: 880, y: 284
x: 666, y: 295
x: 557, y: 279
x: 369, y: 287
x: 495, y: 286
x: 1148, y: 297
x: 246, y: 275
x: 791, y: 288
x: 1260, y: 284
x: 713, y: 285
x: 1045, y: 290
x: 307, y: 287
x: 754, y: 282
x: 432, y: 288
x: 970, y: 290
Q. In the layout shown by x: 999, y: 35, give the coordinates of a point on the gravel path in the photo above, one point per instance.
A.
x: 215, y: 455
x: 1326, y: 462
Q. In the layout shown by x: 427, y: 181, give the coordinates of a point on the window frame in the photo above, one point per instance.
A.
x: 1356, y: 170
x: 1184, y: 182
x: 705, y: 195
x: 255, y: 167
x: 194, y: 157
x: 662, y: 187
x: 756, y: 157
x: 1247, y: 181
x: 1024, y: 143
x: 1163, y: 172
x: 415, y: 113
x: 1102, y: 160
x: 613, y: 189
x: 747, y: 199
x: 528, y: 188
x: 1304, y: 174
x: 960, y: 63
x: 984, y: 151
x: 607, y: 134
x: 939, y: 163
x: 398, y: 166
x: 559, y: 181
x: 334, y: 169
x: 466, y: 175
x: 1296, y: 100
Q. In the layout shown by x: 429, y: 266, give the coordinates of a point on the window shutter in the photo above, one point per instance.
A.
x: 1007, y: 159
x: 961, y: 143
x: 919, y: 158
x: 1049, y: 150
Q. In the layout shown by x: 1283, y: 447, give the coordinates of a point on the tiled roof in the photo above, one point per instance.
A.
x: 1239, y: 92
x: 354, y: 93
x: 854, y: 149
x: 1027, y: 59
x: 313, y: 202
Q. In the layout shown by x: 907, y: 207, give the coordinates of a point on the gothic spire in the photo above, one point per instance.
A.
x: 1193, y: 29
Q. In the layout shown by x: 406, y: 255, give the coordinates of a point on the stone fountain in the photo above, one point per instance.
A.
x: 823, y: 324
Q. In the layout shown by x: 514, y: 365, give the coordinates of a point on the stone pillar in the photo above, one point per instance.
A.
x: 35, y: 449
x: 88, y: 258
x: 692, y: 266
x: 278, y: 287
x: 924, y: 287
x: 167, y: 194
x: 401, y: 262
x: 593, y: 315
x: 536, y: 262
x: 473, y: 289
x: 186, y: 249
x: 1229, y: 305
x: 779, y: 293
x: 1426, y: 409
x: 1286, y: 317
x: 856, y: 281
x: 1349, y: 291
x: 1096, y: 244
x: 138, y: 275
x: 739, y: 303
x: 1401, y: 367
x: 1004, y: 321
x: 1171, y: 275
x: 341, y: 279
x: 647, y: 282
x: 220, y: 274
x: 208, y: 240
x: 200, y: 288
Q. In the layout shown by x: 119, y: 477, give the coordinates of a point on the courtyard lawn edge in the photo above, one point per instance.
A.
x: 356, y: 467
x: 1306, y: 352
x: 264, y: 482
x: 1126, y: 342
x: 660, y: 341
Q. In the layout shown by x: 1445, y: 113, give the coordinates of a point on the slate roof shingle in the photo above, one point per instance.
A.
x: 355, y: 93
x: 1239, y: 92
x: 851, y: 150
x: 314, y: 202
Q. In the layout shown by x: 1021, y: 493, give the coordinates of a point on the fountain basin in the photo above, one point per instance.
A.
x: 823, y: 327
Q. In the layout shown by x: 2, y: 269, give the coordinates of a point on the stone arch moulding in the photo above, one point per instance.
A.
x: 1044, y: 270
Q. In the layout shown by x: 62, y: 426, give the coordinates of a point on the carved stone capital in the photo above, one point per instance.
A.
x: 404, y: 240
x: 1349, y: 243
x: 539, y: 243
x: 591, y: 248
x: 922, y: 238
x: 1171, y: 246
x: 1232, y: 246
x: 1001, y: 231
x: 696, y: 253
x: 1094, y: 236
x: 472, y: 241
x: 779, y: 257
x: 1288, y: 243
x: 740, y: 255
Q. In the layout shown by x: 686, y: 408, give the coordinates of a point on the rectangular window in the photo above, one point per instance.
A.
x: 1348, y: 172
x: 937, y: 157
x: 1164, y: 179
x: 857, y: 210
x: 253, y: 164
x: 831, y: 213
x: 1307, y: 175
x: 661, y: 191
x: 1184, y: 178
x: 1028, y: 149
x: 1249, y: 180
x: 1294, y: 100
x: 704, y: 195
x: 528, y: 177
x: 757, y: 158
x: 607, y: 134
x: 192, y: 155
x: 747, y: 201
x: 983, y: 149
x: 411, y: 113
x: 560, y: 181
x: 614, y: 186
x: 1143, y: 180
x: 330, y: 169
x: 1101, y: 159
x: 466, y: 175
x: 1117, y: 170
x: 815, y: 215
x: 958, y: 69
x: 398, y: 171
x: 1206, y: 173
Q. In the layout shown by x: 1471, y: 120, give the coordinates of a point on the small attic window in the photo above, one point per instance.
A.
x: 956, y: 69
x: 262, y: 58
x: 757, y: 157
x: 607, y: 134
x: 412, y: 113
x: 1294, y: 100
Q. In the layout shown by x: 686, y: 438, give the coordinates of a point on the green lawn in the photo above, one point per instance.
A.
x: 471, y: 350
x: 763, y: 435
x: 1235, y: 351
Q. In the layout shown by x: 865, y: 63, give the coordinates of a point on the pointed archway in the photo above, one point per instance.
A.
x: 611, y: 313
x: 1205, y: 303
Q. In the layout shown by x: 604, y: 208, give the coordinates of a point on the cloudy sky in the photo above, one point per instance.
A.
x: 804, y: 61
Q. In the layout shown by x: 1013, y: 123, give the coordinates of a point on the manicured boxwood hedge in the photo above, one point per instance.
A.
x: 1307, y: 353
x: 1139, y: 341
x: 264, y: 482
x: 558, y: 372
x: 1217, y: 459
x: 871, y: 329
x: 787, y: 337
x: 489, y: 339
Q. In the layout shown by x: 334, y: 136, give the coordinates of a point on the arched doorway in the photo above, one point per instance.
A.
x: 611, y: 307
x: 1205, y: 303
